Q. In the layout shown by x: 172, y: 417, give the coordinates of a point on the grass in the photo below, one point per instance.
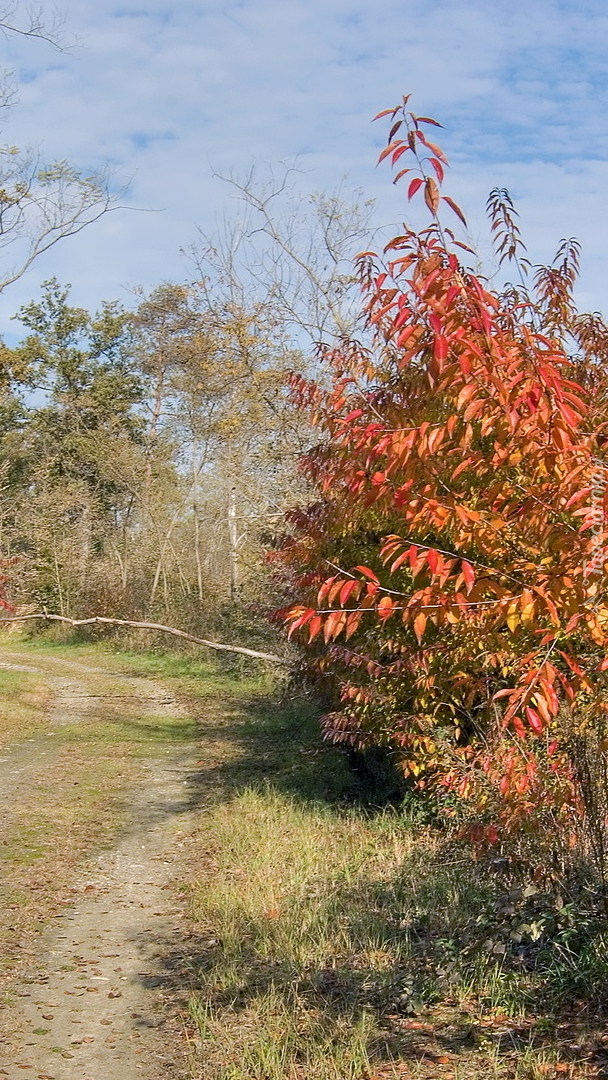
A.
x: 23, y: 699
x: 332, y: 940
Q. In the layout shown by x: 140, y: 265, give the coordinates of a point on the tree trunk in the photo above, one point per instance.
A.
x: 233, y: 539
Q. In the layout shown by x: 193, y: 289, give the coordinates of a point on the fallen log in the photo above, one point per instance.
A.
x: 106, y: 621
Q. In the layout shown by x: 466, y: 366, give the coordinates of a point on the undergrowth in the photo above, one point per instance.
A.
x: 333, y: 939
x: 338, y: 940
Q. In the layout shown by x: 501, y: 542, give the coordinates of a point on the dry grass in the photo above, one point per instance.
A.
x: 326, y: 935
x: 322, y: 940
x: 328, y: 941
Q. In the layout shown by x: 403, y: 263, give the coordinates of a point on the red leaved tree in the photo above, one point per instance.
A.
x: 449, y: 579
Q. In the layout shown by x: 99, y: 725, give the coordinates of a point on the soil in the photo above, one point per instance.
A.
x: 90, y: 1000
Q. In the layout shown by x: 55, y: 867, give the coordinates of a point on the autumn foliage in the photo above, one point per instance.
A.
x: 449, y: 579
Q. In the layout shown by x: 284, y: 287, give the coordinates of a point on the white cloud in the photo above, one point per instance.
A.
x: 165, y: 92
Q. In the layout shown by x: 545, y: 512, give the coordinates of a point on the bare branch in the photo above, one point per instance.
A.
x: 42, y: 204
x: 40, y: 22
x: 292, y: 255
x: 103, y: 620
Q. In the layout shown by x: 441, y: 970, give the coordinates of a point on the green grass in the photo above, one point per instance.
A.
x: 23, y: 699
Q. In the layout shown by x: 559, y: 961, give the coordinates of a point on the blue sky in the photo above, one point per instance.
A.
x: 169, y: 93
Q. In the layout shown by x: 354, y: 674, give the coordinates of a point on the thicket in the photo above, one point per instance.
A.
x: 148, y: 455
x: 448, y: 579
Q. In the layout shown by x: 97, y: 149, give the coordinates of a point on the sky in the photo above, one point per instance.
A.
x: 171, y: 95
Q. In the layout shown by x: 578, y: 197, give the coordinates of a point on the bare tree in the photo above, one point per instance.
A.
x: 290, y: 255
x: 41, y: 202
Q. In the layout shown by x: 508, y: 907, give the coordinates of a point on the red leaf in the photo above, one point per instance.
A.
x: 438, y: 167
x: 365, y: 570
x: 414, y: 186
x: 534, y: 721
x: 347, y: 590
x: 441, y: 347
x: 399, y: 561
x: 399, y: 153
x: 434, y: 560
x: 303, y: 616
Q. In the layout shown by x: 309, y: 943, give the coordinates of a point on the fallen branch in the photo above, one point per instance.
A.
x: 102, y: 619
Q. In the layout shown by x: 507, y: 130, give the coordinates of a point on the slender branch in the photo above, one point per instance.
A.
x: 105, y: 621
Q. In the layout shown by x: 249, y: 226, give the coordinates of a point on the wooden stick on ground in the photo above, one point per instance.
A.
x: 104, y: 620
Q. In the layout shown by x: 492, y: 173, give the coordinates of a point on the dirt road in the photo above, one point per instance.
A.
x: 88, y: 1004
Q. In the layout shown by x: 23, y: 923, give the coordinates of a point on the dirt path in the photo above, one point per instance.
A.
x: 89, y: 1008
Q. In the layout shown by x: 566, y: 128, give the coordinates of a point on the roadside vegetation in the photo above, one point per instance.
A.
x: 329, y: 936
x: 23, y: 699
x: 338, y: 939
x: 333, y: 937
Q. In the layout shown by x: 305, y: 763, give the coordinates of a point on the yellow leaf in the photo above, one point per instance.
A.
x: 513, y: 618
x: 526, y: 607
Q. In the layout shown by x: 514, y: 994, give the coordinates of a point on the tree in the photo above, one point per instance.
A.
x: 217, y: 393
x: 288, y: 258
x: 68, y: 503
x: 454, y: 561
x: 41, y: 202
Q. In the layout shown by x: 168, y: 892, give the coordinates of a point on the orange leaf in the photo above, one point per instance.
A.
x: 455, y: 207
x: 468, y: 574
x: 365, y: 570
x: 431, y: 195
x: 389, y: 149
x: 352, y: 623
x: 420, y: 625
x: 385, y: 607
x: 400, y: 175
x: 385, y: 112
x: 432, y: 146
